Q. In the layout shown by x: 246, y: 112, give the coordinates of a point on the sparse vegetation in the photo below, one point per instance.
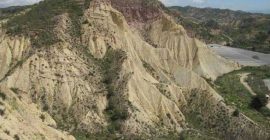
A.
x: 233, y: 28
x: 7, y: 132
x: 265, y: 111
x: 111, y: 65
x: 194, y: 135
x: 235, y: 94
x: 39, y: 22
x: 208, y: 118
x: 2, y: 112
x: 11, y: 11
x: 210, y: 123
x: 42, y: 117
x: 14, y: 104
x: 87, y: 3
x: 15, y: 90
x: 16, y: 137
x: 2, y: 95
x: 255, y: 81
x: 82, y: 135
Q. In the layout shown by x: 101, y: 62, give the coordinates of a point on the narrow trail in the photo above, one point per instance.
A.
x: 243, y: 77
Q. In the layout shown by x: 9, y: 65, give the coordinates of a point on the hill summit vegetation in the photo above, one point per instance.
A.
x: 38, y: 23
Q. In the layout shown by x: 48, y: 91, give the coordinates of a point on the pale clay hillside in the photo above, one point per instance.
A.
x: 134, y: 73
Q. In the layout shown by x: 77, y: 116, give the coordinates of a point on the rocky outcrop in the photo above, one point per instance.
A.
x: 138, y: 11
x: 13, y: 51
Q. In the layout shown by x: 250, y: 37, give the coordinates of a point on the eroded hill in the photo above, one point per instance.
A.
x: 105, y: 69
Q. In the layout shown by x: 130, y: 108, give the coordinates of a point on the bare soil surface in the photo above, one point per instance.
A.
x: 243, y: 57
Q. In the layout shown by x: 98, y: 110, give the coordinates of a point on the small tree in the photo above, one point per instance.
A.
x: 16, y: 137
x: 2, y: 95
x: 42, y: 117
x: 236, y: 113
x: 258, y: 101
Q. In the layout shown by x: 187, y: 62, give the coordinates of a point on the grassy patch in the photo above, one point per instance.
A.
x: 235, y: 94
x: 255, y: 79
x: 207, y: 118
x: 233, y: 90
x: 13, y: 103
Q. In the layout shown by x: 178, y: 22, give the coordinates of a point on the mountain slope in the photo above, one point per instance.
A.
x: 235, y: 28
x: 133, y: 74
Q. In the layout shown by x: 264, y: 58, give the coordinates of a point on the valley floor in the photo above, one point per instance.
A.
x: 243, y: 57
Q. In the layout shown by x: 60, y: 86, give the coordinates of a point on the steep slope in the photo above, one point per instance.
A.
x: 121, y: 77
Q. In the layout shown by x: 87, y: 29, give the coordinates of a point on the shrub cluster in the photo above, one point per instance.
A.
x: 39, y: 22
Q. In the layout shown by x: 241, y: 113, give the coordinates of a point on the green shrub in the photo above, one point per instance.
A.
x: 87, y: 4
x: 255, y: 81
x: 236, y: 113
x: 15, y: 90
x: 265, y: 111
x: 16, y: 137
x: 42, y: 117
x: 2, y: 112
x: 45, y: 107
x: 258, y: 101
x: 83, y: 135
x: 110, y: 66
x: 2, y: 95
x: 7, y: 132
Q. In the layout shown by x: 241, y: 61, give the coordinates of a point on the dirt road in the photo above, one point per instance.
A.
x: 243, y: 77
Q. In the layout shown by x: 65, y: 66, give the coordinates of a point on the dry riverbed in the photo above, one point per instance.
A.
x: 243, y: 57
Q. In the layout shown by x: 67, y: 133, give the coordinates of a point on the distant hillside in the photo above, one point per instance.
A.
x: 227, y: 27
x: 261, y: 11
x: 7, y: 12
